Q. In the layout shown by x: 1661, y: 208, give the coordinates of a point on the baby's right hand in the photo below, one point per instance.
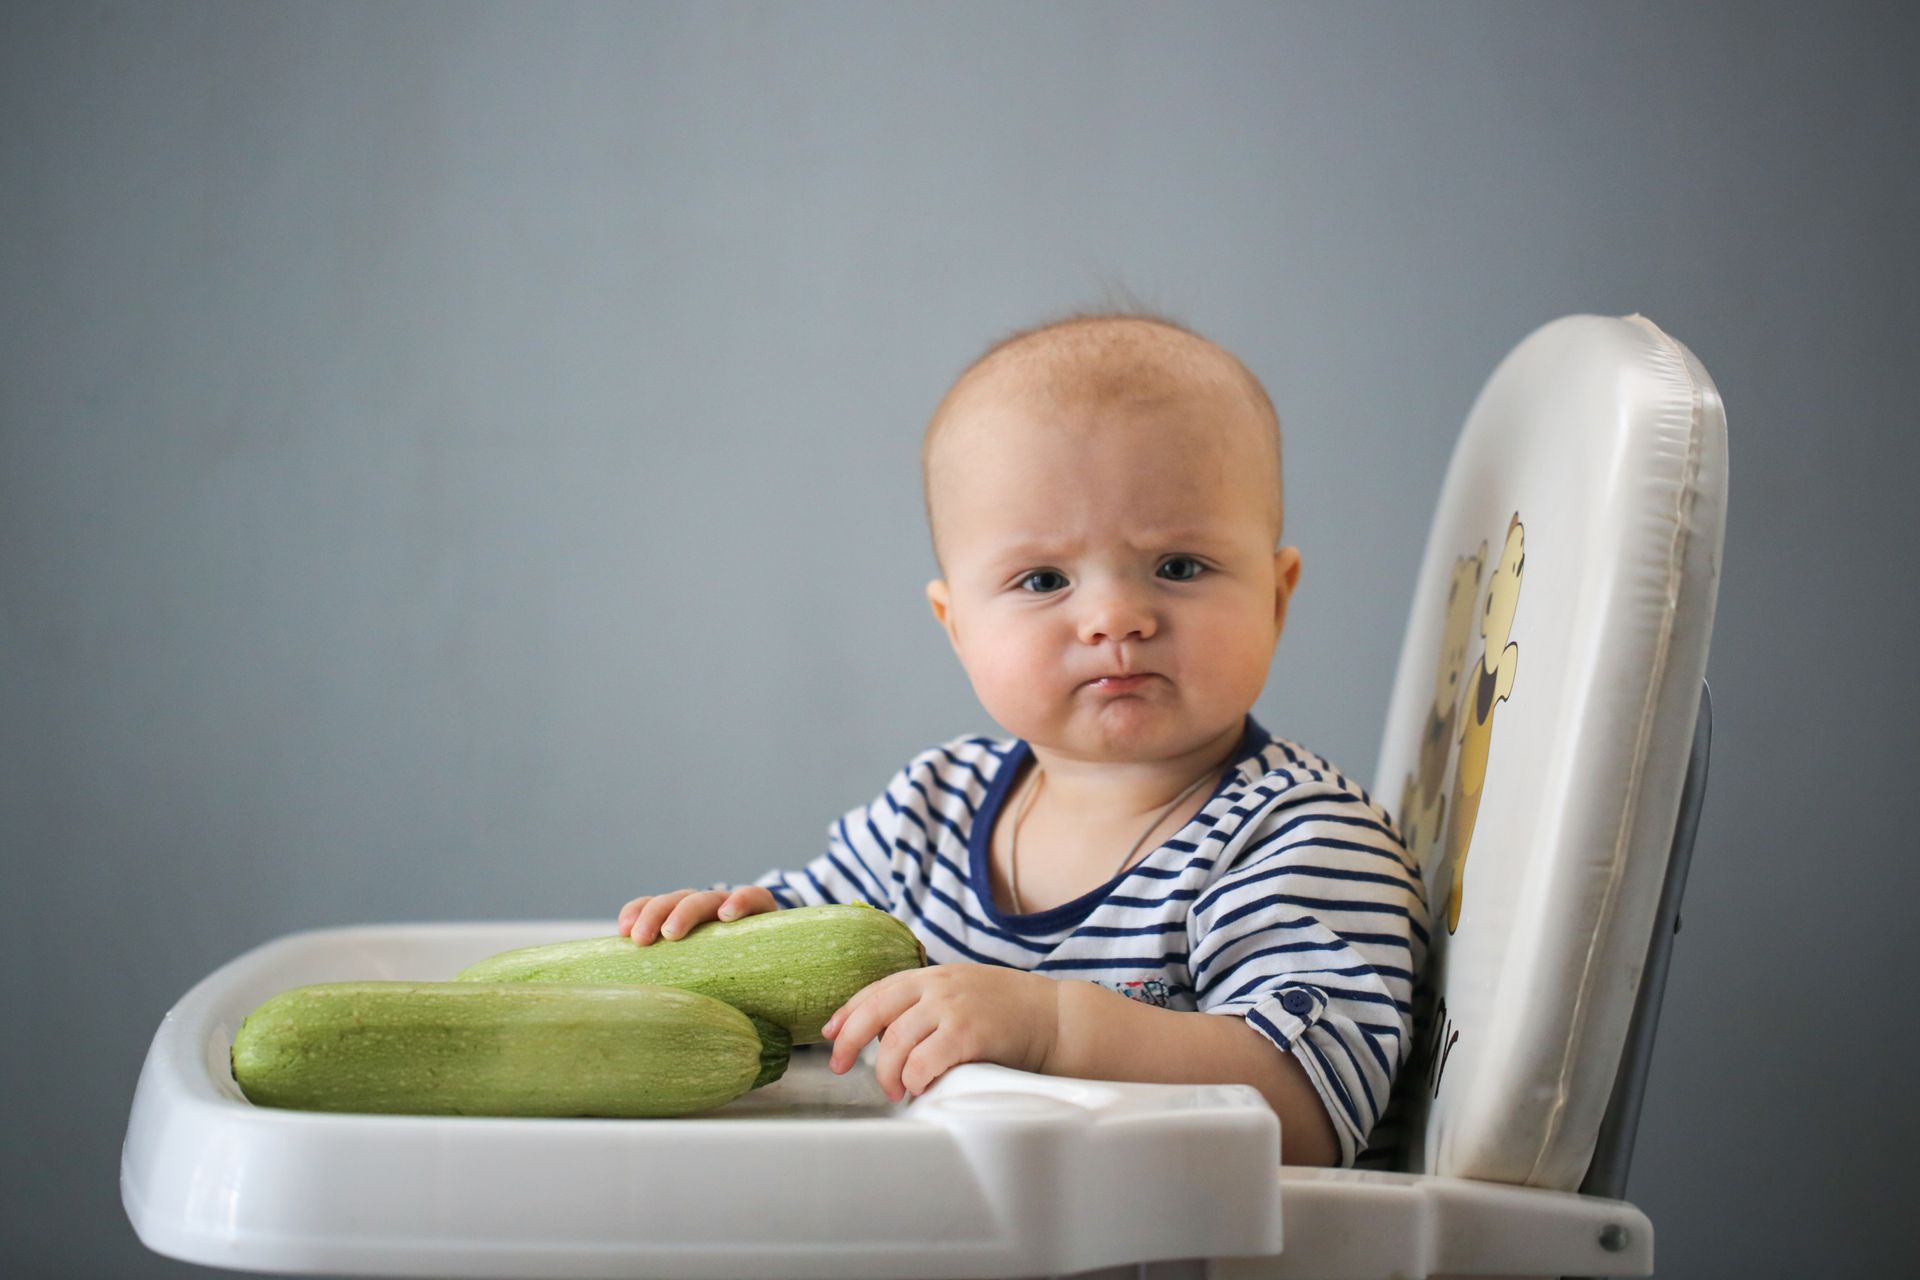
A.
x: 673, y: 915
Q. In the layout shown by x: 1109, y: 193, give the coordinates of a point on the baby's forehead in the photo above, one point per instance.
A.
x: 1158, y: 467
x: 1088, y: 374
x: 1145, y: 428
x: 1135, y: 414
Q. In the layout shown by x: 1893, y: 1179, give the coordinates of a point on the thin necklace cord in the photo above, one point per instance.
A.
x: 1040, y: 778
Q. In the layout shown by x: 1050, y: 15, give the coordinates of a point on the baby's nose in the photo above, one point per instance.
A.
x: 1116, y: 613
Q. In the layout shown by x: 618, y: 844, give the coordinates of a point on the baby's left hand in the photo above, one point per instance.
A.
x: 938, y: 1017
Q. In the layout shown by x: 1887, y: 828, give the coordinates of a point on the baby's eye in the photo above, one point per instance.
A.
x: 1051, y: 578
x: 1183, y: 568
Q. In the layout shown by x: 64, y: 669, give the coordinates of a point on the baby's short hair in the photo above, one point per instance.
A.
x: 1130, y: 355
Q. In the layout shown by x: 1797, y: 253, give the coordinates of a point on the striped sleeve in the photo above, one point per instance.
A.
x: 1313, y: 934
x: 858, y: 863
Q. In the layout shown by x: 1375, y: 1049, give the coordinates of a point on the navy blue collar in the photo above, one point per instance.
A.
x: 1014, y: 761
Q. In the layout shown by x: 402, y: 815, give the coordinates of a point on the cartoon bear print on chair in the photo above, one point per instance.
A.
x: 1488, y: 685
x: 1423, y: 800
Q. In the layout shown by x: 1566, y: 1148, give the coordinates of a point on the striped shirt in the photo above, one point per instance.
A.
x: 1288, y: 900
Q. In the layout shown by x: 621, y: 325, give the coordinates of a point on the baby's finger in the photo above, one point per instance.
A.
x: 748, y: 900
x: 631, y: 912
x: 932, y: 1058
x: 646, y: 925
x: 832, y: 1027
x: 898, y: 1042
x: 691, y: 912
x: 867, y: 1018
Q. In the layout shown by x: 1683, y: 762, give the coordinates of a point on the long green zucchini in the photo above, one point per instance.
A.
x: 793, y: 967
x: 470, y: 1048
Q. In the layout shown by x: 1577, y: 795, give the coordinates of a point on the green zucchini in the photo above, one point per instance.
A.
x: 793, y: 967
x: 461, y: 1048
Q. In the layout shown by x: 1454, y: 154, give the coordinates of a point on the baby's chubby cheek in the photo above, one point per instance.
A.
x: 1018, y: 692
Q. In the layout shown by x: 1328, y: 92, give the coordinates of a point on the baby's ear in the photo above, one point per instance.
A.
x: 1286, y: 575
x: 941, y: 601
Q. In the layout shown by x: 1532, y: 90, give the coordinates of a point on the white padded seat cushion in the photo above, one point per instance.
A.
x: 1579, y: 530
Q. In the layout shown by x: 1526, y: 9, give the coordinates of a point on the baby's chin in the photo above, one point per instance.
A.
x: 1128, y: 730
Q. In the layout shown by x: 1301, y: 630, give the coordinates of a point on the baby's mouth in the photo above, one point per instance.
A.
x: 1121, y: 684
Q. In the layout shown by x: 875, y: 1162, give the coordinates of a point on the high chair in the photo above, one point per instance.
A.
x: 1545, y: 753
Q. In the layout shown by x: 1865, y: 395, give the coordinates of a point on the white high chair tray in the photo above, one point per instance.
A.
x: 992, y: 1172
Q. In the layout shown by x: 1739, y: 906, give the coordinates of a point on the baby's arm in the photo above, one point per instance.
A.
x: 674, y: 915
x: 926, y: 1021
x: 1102, y: 1035
x: 1309, y: 941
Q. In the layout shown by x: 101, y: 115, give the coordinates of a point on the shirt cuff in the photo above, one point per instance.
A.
x: 1287, y: 1016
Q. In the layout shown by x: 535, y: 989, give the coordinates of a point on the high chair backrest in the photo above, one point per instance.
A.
x: 1540, y: 730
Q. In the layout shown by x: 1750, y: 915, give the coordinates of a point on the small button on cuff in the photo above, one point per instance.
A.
x: 1297, y: 1003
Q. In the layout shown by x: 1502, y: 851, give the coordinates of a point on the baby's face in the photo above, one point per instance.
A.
x: 1082, y: 544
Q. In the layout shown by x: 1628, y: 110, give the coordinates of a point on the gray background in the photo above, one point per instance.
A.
x: 446, y: 450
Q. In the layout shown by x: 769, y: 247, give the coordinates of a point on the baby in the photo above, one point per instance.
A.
x: 1140, y: 884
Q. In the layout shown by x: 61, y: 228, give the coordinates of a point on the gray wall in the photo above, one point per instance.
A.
x: 444, y: 449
